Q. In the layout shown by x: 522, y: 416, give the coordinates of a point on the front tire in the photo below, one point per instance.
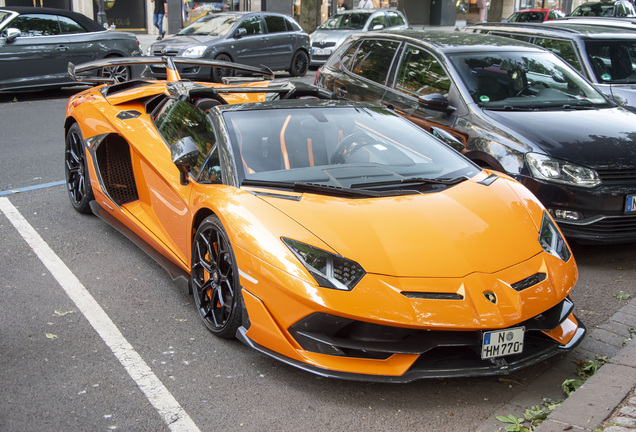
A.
x: 214, y: 279
x: 78, y: 182
x: 219, y: 73
x: 299, y: 64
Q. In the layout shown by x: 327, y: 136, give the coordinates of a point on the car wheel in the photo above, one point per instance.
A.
x: 78, y: 182
x: 219, y: 73
x: 299, y: 64
x: 118, y: 73
x: 214, y: 279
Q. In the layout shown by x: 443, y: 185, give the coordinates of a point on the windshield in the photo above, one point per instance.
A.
x: 531, y: 80
x: 594, y: 9
x: 210, y: 25
x: 3, y: 16
x: 338, y: 146
x: 350, y: 21
x: 527, y: 17
x: 613, y: 62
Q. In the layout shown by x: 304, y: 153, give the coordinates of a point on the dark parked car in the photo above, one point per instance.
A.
x: 510, y: 106
x: 621, y: 8
x: 602, y: 53
x: 535, y: 15
x: 330, y: 35
x: 36, y: 45
x: 251, y: 38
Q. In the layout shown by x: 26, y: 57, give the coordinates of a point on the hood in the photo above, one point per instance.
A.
x: 624, y: 94
x: 599, y: 139
x: 331, y: 35
x: 175, y: 43
x: 464, y: 229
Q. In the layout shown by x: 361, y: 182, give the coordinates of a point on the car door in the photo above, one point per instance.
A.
x: 367, y: 73
x: 83, y: 46
x: 280, y: 42
x: 37, y: 56
x: 251, y: 48
x: 420, y: 74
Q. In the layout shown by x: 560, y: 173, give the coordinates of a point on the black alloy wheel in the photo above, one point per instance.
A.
x: 117, y: 73
x: 299, y: 64
x: 214, y: 279
x: 78, y: 182
x: 219, y: 73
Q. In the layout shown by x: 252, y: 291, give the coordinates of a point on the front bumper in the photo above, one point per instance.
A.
x: 445, y: 354
x: 603, y: 208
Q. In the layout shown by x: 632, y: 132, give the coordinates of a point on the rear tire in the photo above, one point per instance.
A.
x: 219, y: 73
x: 299, y: 64
x: 78, y: 182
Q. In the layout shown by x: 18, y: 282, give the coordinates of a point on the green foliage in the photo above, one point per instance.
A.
x: 622, y: 295
x: 538, y: 413
x: 569, y: 386
x: 515, y: 423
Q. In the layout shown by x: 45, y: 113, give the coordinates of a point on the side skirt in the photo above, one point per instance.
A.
x: 178, y: 275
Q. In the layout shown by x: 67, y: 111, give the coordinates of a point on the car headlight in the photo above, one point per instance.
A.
x: 329, y: 270
x: 149, y: 51
x: 551, y: 240
x: 558, y: 171
x: 195, y: 51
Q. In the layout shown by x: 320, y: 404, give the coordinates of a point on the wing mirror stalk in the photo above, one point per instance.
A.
x: 185, y: 154
x: 436, y: 102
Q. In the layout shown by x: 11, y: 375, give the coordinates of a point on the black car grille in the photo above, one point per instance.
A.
x: 619, y: 228
x: 169, y: 53
x: 323, y: 45
x: 617, y: 175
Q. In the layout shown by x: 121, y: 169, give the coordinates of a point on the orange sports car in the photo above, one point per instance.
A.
x: 335, y: 236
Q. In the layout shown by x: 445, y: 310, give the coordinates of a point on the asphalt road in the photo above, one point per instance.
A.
x: 57, y: 373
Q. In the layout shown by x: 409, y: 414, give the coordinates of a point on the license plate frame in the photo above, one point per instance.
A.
x: 321, y: 51
x: 499, y: 343
x: 630, y: 204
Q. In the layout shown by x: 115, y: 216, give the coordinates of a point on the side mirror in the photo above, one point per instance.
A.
x: 185, y: 154
x: 447, y: 138
x: 435, y: 102
x: 378, y: 27
x: 240, y: 33
x: 12, y: 33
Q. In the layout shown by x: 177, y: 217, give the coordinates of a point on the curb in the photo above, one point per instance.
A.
x: 591, y: 404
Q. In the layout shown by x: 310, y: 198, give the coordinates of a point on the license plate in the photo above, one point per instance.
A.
x: 318, y: 51
x: 161, y: 66
x: 630, y: 205
x: 502, y: 342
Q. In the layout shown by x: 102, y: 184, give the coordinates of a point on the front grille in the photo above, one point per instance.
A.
x: 432, y: 295
x: 617, y: 175
x: 323, y: 45
x: 169, y: 53
x: 620, y: 227
x: 115, y: 167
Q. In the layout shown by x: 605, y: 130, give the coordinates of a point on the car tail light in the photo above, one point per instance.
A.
x: 318, y: 72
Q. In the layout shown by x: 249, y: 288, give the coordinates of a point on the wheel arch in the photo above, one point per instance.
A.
x: 70, y: 121
x: 224, y: 53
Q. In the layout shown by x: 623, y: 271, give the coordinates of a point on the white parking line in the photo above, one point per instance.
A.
x: 166, y: 405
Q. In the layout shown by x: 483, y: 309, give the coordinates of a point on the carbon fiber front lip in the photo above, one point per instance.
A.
x: 414, y: 375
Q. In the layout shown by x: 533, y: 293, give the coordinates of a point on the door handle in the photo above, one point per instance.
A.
x: 342, y: 91
x: 264, y: 39
x: 61, y: 47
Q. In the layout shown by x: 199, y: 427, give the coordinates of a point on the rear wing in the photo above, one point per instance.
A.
x: 172, y: 74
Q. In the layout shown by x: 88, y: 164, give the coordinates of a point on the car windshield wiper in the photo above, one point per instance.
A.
x: 413, y: 180
x: 509, y: 108
x: 577, y: 107
x: 323, y: 189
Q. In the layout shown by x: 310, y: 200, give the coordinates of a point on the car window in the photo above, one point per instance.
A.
x: 373, y: 59
x: 275, y: 24
x: 379, y: 19
x: 512, y: 36
x: 552, y: 15
x: 178, y: 119
x: 211, y: 25
x: 395, y: 19
x: 69, y: 26
x: 347, y: 57
x: 613, y: 61
x: 292, y: 25
x: 36, y: 25
x: 563, y: 49
x: 594, y: 9
x: 211, y: 171
x: 421, y: 74
x: 252, y: 25
x: 348, y: 21
x: 527, y: 17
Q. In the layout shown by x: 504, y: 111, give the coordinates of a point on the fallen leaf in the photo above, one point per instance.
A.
x: 51, y: 335
x: 59, y: 313
x: 180, y: 319
x: 508, y: 381
x: 622, y: 295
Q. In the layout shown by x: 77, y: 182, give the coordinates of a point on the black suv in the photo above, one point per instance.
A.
x: 508, y: 106
x: 605, y: 54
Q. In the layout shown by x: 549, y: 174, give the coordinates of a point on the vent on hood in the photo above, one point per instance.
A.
x: 529, y: 281
x: 432, y: 295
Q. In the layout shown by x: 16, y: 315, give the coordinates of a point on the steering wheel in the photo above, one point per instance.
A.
x: 531, y: 84
x: 349, y: 145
